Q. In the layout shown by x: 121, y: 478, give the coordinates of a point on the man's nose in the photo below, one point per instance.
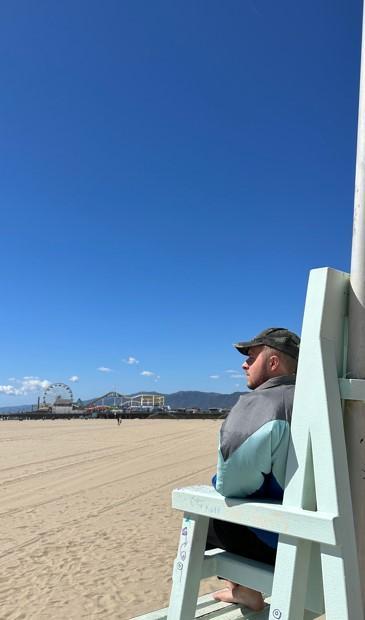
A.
x: 245, y: 365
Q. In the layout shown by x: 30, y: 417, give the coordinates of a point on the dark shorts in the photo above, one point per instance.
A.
x: 238, y: 539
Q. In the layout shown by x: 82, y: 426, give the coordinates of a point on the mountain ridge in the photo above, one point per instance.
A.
x: 176, y: 400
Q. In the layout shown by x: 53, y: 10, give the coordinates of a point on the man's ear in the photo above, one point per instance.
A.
x: 274, y: 362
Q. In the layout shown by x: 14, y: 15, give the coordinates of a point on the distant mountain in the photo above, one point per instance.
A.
x: 186, y: 399
x: 176, y: 400
x: 203, y: 400
x: 17, y: 408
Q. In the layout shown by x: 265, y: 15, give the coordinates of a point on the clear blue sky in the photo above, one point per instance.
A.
x: 170, y: 171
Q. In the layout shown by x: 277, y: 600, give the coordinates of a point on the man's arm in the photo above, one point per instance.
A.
x: 241, y: 472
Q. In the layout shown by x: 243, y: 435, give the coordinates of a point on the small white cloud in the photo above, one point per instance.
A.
x: 74, y: 379
x: 25, y: 386
x: 149, y: 373
x: 231, y: 371
x: 213, y: 376
x: 131, y: 360
x: 104, y: 369
x: 11, y: 379
x: 237, y: 376
x: 31, y: 384
x: 9, y: 389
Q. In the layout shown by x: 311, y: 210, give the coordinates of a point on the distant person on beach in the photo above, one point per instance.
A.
x: 253, y: 448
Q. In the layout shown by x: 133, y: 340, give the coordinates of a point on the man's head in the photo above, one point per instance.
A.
x: 274, y: 352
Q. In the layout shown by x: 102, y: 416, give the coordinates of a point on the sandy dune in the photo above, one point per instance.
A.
x: 87, y: 528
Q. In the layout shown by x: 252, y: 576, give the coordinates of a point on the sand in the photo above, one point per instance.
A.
x: 87, y: 528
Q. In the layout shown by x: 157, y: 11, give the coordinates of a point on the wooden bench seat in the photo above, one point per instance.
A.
x: 272, y: 516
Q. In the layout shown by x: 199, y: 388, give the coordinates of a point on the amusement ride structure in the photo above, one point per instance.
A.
x: 57, y: 393
x: 123, y: 401
x: 58, y: 398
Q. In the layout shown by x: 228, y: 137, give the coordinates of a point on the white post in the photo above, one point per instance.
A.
x: 355, y: 410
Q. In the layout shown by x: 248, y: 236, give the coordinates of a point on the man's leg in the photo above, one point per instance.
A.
x: 242, y: 541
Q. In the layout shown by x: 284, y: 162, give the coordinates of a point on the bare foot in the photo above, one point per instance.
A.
x: 240, y: 595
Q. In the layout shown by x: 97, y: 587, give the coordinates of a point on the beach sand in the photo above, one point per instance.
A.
x: 87, y: 527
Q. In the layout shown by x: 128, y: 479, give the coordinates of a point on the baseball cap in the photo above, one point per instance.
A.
x: 275, y: 337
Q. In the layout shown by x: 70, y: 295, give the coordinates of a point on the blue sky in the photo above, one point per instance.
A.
x: 170, y: 172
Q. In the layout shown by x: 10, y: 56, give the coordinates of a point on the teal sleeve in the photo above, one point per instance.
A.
x: 241, y: 474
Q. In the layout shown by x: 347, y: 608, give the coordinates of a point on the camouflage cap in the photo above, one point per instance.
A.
x: 275, y: 337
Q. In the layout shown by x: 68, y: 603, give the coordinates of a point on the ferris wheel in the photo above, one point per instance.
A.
x: 57, y: 392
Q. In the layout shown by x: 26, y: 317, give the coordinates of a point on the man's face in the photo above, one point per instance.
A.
x: 257, y: 366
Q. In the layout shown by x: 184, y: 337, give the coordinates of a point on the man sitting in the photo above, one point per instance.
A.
x: 253, y: 450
